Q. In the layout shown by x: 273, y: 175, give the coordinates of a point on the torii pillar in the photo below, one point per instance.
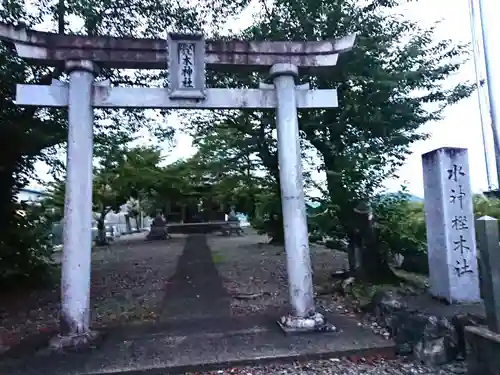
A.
x: 188, y: 56
x: 77, y: 237
x: 298, y: 259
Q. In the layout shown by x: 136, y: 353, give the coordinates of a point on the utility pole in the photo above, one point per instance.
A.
x: 481, y: 94
x: 487, y: 17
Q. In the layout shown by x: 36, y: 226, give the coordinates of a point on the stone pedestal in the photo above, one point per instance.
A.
x: 483, y: 357
x: 315, y: 322
x: 489, y: 249
x: 73, y: 342
x: 451, y: 243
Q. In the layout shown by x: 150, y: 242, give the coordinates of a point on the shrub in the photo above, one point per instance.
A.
x: 26, y: 248
x: 401, y: 223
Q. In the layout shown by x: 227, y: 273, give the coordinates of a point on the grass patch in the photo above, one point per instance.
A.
x: 363, y: 293
x: 217, y: 258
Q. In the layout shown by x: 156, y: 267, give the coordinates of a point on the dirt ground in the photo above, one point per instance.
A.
x: 129, y: 280
x: 254, y: 273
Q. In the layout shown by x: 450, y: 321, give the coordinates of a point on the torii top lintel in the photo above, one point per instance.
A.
x: 131, y: 53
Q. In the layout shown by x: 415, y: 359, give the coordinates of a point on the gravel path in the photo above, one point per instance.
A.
x: 128, y: 281
x: 344, y: 367
x: 195, y: 290
x: 252, y: 272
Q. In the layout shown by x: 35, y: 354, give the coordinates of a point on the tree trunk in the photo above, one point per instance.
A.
x: 6, y: 194
x: 275, y: 229
x: 374, y: 263
x: 367, y: 259
x: 8, y: 191
x: 138, y: 220
x: 128, y: 224
x: 353, y: 256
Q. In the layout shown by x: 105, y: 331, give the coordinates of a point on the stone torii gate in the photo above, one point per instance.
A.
x: 187, y: 57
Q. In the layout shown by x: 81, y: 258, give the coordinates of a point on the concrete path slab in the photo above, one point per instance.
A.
x: 196, y: 288
x: 202, y: 344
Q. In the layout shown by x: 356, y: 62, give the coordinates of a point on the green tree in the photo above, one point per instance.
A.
x: 28, y: 136
x: 401, y: 223
x: 232, y: 158
x: 484, y: 206
x: 389, y: 85
x: 240, y: 148
x: 32, y: 134
x: 26, y: 252
x: 122, y: 174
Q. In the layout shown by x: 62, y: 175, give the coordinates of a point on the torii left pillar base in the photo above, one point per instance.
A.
x: 77, y: 244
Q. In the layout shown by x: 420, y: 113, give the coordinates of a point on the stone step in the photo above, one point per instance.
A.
x: 179, y: 346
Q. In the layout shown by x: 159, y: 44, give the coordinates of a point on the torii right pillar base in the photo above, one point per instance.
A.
x: 73, y: 342
x: 314, y: 323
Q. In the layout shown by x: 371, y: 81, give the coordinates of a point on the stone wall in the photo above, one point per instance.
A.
x: 430, y: 330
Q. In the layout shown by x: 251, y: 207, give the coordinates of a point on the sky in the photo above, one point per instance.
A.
x: 461, y: 126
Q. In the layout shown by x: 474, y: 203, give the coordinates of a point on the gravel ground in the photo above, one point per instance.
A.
x: 255, y: 272
x: 127, y: 286
x: 344, y: 367
x: 252, y: 272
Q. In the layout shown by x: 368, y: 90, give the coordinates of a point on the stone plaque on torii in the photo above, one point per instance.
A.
x: 187, y: 58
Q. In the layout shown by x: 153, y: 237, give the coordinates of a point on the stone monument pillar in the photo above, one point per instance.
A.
x: 451, y: 242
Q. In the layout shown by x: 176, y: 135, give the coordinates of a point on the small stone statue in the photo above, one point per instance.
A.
x: 158, y: 229
x: 234, y: 224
